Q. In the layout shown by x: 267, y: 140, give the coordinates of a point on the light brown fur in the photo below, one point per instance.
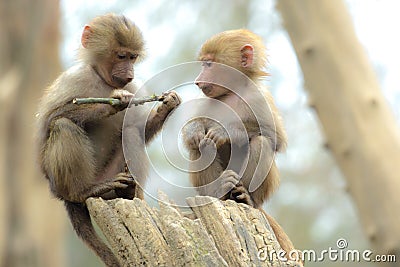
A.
x: 263, y: 133
x: 80, y: 146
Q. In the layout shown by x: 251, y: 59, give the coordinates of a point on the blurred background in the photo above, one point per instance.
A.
x: 39, y: 39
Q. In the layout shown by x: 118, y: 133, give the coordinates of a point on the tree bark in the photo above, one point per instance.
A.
x: 31, y: 225
x: 223, y: 233
x: 359, y: 127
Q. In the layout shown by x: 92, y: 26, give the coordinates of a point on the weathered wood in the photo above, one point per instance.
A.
x: 217, y: 220
x: 223, y: 233
x: 115, y: 231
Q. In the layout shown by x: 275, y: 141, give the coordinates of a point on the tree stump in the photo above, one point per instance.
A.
x: 215, y: 233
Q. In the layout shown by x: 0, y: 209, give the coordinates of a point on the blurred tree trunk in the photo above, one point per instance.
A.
x: 359, y: 127
x: 31, y: 225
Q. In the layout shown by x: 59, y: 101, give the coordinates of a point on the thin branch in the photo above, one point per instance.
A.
x: 116, y: 101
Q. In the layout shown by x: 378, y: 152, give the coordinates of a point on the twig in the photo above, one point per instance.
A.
x: 116, y: 101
